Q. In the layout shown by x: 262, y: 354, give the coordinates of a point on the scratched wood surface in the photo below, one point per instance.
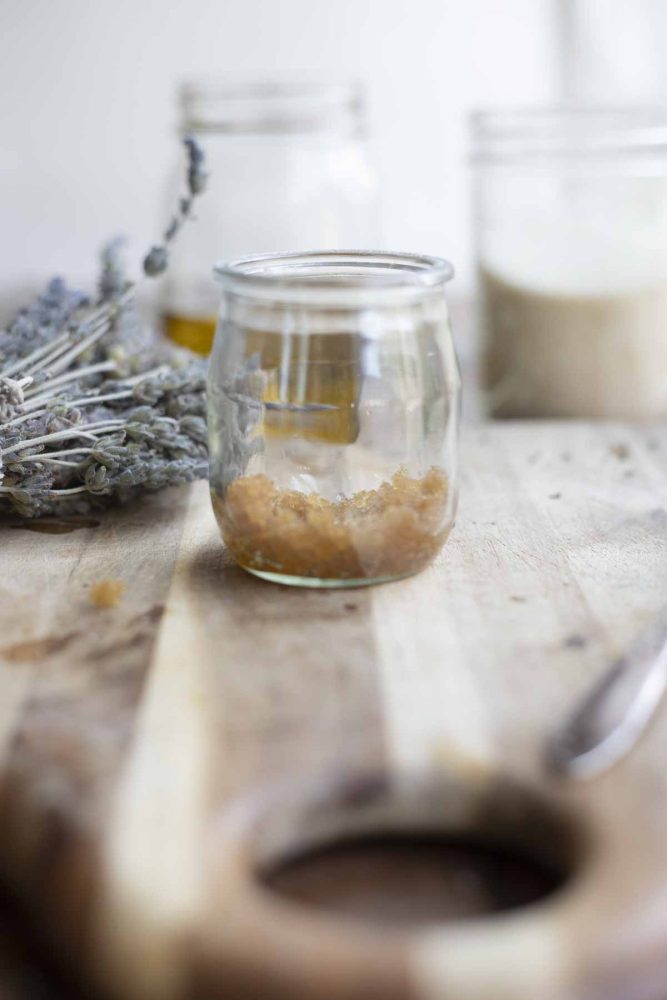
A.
x: 146, y: 749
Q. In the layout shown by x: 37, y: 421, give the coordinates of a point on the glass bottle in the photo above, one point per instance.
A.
x: 333, y: 403
x: 571, y: 228
x: 288, y: 167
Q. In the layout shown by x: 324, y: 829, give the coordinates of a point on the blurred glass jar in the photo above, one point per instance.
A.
x: 288, y: 168
x: 333, y: 403
x: 571, y: 230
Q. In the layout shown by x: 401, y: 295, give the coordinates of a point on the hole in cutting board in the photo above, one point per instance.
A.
x: 401, y: 880
x: 428, y: 856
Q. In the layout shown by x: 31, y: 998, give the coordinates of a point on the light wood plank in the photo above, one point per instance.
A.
x: 152, y: 878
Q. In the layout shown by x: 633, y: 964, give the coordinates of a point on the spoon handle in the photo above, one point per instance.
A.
x: 612, y: 716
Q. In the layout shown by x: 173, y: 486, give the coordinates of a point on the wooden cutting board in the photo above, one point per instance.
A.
x: 153, y: 754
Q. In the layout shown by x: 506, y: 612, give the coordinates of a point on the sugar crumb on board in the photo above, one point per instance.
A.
x: 620, y: 450
x: 106, y: 593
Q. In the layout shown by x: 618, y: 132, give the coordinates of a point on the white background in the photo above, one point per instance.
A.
x: 88, y: 112
x: 88, y: 101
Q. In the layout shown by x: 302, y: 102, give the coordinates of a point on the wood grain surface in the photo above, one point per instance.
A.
x: 153, y: 753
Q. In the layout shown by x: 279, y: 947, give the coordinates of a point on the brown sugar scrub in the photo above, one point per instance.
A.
x: 391, y: 531
x: 107, y: 593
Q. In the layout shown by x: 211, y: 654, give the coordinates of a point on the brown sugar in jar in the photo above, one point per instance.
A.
x: 384, y: 533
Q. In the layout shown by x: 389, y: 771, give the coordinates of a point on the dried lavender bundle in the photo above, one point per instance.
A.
x: 87, y: 415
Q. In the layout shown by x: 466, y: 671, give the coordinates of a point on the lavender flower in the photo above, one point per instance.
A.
x: 197, y: 176
x: 88, y: 416
x: 157, y: 259
x: 113, y: 281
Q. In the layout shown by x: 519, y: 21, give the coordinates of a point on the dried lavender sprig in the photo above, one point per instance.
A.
x: 99, y: 319
x: 90, y: 431
x: 54, y: 386
x: 30, y: 415
x: 39, y: 352
x: 12, y: 395
x: 64, y: 463
x: 67, y: 493
x: 124, y: 391
x: 156, y: 260
x: 53, y: 454
x: 158, y: 434
x: 38, y: 324
x: 113, y: 282
x: 60, y: 360
x: 105, y: 398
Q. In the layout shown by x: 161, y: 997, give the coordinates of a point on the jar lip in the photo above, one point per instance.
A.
x: 582, y: 131
x: 335, y: 277
x: 283, y: 103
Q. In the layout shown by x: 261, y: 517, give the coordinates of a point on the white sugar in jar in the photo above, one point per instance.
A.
x: 571, y: 226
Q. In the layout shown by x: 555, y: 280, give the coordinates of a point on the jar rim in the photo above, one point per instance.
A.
x: 282, y: 103
x: 335, y: 277
x: 582, y: 131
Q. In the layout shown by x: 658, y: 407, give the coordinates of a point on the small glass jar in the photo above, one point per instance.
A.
x: 288, y: 167
x: 333, y: 403
x: 571, y: 230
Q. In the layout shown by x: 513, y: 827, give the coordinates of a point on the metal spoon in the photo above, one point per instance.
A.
x: 612, y: 716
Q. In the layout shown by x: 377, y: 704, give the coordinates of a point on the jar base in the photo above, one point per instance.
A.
x: 316, y: 583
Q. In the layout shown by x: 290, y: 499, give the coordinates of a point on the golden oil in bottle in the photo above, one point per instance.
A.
x: 195, y: 333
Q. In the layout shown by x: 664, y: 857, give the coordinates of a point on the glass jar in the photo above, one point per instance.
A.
x: 288, y: 167
x: 571, y: 227
x: 333, y: 402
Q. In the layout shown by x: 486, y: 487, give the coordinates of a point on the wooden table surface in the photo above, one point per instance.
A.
x: 136, y: 740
